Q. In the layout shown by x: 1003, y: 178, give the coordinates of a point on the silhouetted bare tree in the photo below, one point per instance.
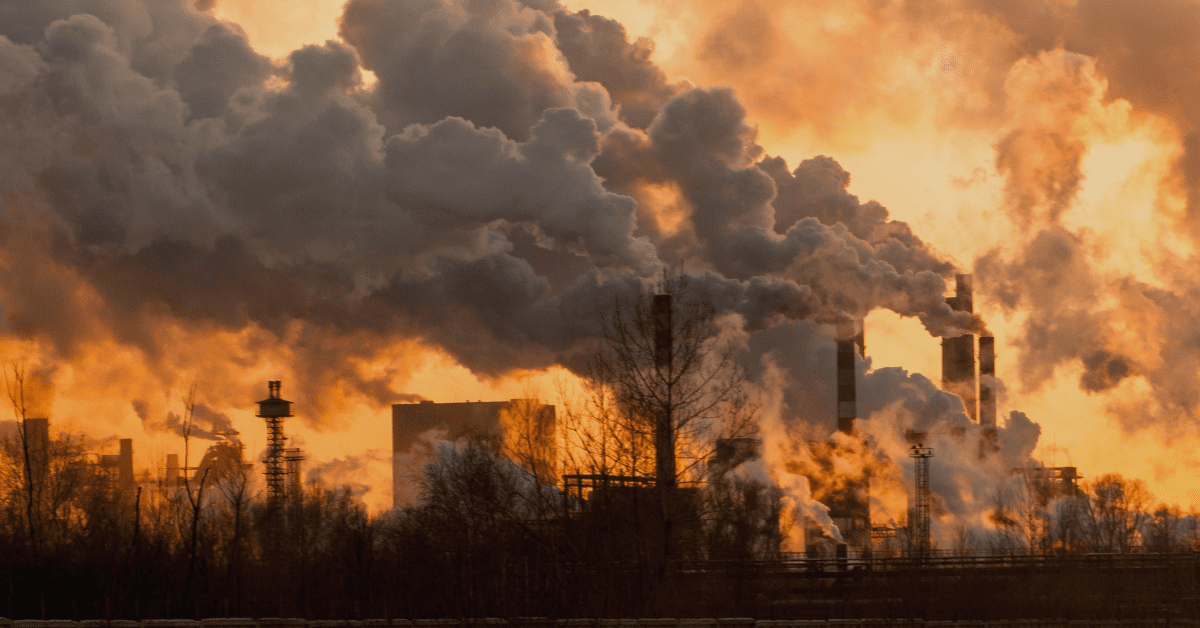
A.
x: 1115, y: 513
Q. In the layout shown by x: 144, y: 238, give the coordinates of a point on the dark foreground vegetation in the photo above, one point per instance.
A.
x: 491, y: 536
x: 489, y: 542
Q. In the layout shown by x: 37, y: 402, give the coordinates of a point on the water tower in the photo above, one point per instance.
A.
x: 274, y: 410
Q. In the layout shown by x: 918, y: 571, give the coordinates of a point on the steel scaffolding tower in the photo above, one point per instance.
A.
x: 274, y: 410
x: 922, y: 542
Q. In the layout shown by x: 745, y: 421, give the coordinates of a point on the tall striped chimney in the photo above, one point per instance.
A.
x: 849, y: 333
x: 958, y: 354
x: 987, y: 395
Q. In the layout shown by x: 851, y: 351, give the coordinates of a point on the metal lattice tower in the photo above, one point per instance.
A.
x: 274, y: 410
x: 922, y: 541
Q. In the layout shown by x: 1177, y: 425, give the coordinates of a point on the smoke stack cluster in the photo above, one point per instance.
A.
x: 959, y: 376
x: 849, y: 334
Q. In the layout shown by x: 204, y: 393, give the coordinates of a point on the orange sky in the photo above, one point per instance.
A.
x: 904, y: 110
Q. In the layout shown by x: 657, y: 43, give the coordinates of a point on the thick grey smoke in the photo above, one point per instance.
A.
x: 206, y: 423
x: 1054, y: 69
x: 1046, y: 82
x: 892, y: 403
x: 486, y: 195
x: 360, y: 474
x: 597, y: 50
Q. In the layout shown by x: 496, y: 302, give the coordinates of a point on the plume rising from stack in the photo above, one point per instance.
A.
x: 958, y: 354
x: 191, y: 200
x: 849, y: 335
x: 987, y: 395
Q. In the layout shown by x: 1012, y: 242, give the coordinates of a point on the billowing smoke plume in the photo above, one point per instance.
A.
x: 364, y: 475
x: 204, y: 423
x: 1044, y: 84
x: 485, y: 195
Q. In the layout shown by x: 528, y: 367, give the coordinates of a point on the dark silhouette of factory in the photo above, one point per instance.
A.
x: 968, y: 370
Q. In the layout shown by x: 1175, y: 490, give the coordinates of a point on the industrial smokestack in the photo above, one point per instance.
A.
x: 849, y: 333
x: 987, y: 381
x: 958, y: 354
x: 987, y: 394
x: 172, y: 474
x: 125, y: 465
x: 664, y: 432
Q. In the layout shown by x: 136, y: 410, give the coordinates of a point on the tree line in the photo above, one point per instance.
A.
x: 493, y: 533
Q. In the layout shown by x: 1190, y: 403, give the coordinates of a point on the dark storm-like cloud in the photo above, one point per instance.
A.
x: 481, y: 197
x: 492, y: 63
x: 701, y: 143
x: 597, y: 49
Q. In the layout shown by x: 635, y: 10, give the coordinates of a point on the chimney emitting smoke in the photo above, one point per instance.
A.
x: 849, y: 333
x: 958, y: 354
x: 987, y: 395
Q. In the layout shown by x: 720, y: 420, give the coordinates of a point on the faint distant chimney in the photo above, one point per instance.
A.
x: 664, y: 432
x: 987, y: 381
x: 172, y: 476
x: 987, y: 395
x: 293, y: 483
x: 958, y: 354
x: 849, y: 334
x: 125, y: 464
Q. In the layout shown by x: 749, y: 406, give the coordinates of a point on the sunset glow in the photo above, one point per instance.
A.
x: 264, y: 232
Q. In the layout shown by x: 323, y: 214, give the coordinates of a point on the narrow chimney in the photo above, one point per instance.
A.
x: 987, y: 381
x: 849, y: 333
x: 172, y: 476
x: 958, y: 354
x: 125, y: 465
x: 664, y: 432
x: 987, y: 395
